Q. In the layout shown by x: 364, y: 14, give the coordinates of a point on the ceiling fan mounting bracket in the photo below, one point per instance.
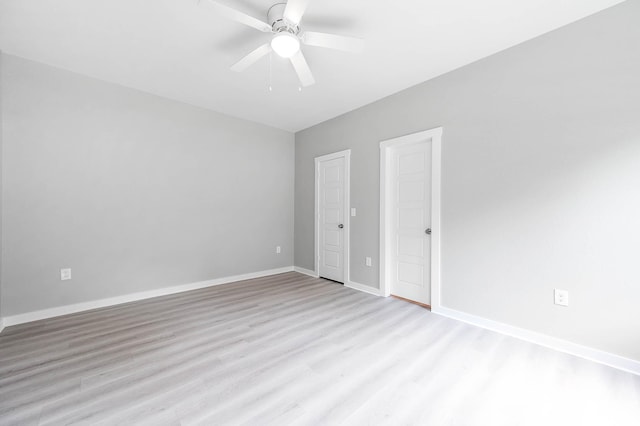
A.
x: 275, y: 17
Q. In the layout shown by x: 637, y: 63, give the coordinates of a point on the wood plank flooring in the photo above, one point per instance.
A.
x: 291, y: 349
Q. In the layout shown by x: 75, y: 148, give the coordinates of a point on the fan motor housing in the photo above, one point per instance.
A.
x: 275, y: 16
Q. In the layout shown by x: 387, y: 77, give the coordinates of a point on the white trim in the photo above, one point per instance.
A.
x: 347, y: 209
x: 1, y: 324
x: 362, y: 287
x: 555, y: 343
x: 435, y: 135
x: 305, y: 271
x: 111, y: 301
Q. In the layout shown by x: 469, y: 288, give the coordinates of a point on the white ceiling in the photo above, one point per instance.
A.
x: 182, y: 51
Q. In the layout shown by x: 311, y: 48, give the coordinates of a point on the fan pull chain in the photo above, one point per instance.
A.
x: 270, y: 72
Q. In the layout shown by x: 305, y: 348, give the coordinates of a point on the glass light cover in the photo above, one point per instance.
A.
x: 285, y: 44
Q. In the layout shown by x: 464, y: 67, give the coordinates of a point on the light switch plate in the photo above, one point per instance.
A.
x: 353, y: 211
x: 65, y: 274
x: 561, y: 297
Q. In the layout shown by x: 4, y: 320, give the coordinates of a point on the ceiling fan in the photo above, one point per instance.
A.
x: 283, y: 22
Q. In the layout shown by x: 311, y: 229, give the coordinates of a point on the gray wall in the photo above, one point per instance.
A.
x: 541, y: 181
x: 131, y: 191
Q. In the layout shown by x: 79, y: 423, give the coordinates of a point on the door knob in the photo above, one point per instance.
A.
x: 428, y: 231
x: 341, y: 226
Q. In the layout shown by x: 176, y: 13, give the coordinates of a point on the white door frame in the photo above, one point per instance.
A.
x: 435, y: 135
x: 347, y: 209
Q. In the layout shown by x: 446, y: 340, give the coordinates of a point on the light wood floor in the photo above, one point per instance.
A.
x: 291, y: 349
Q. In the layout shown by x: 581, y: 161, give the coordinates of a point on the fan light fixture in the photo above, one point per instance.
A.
x: 285, y: 44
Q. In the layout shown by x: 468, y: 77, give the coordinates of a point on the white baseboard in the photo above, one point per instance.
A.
x: 561, y: 345
x: 111, y: 301
x: 305, y: 271
x: 350, y: 284
x: 361, y: 287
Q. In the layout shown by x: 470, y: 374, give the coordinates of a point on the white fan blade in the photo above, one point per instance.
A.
x: 332, y: 41
x: 294, y: 10
x: 237, y: 16
x: 302, y: 69
x: 251, y: 58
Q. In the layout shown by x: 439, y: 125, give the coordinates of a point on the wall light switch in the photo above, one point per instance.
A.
x: 561, y: 297
x: 278, y: 250
x: 65, y: 274
x: 353, y: 211
x: 367, y: 261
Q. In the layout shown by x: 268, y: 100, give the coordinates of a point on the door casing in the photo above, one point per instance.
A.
x: 435, y: 136
x: 346, y: 154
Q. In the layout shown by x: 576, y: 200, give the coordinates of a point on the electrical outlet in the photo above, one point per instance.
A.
x: 65, y: 274
x: 278, y: 250
x: 561, y: 297
x: 367, y: 261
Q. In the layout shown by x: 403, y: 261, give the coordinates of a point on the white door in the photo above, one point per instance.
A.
x: 331, y: 218
x: 410, y: 210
